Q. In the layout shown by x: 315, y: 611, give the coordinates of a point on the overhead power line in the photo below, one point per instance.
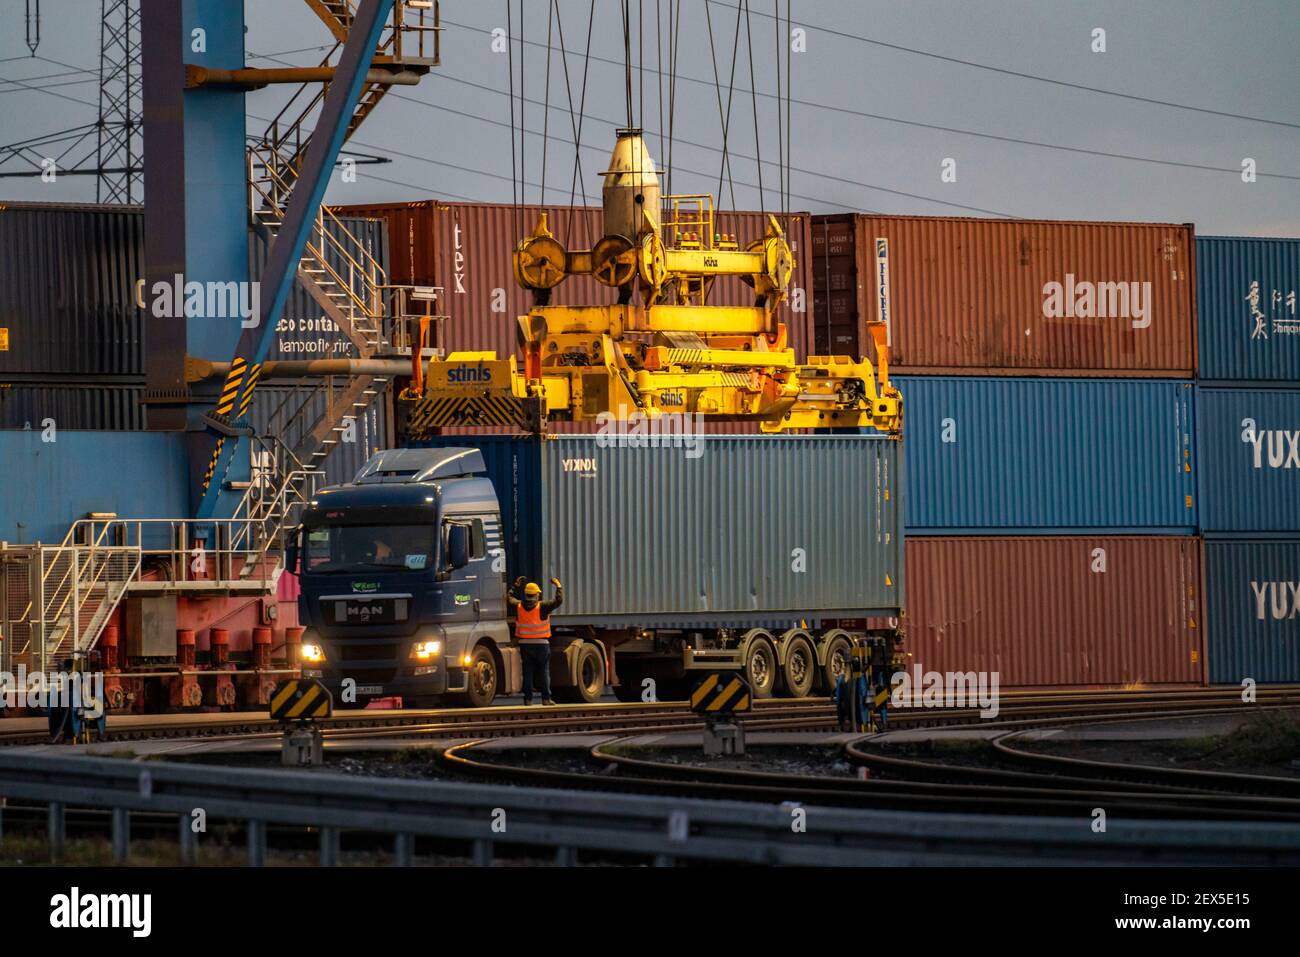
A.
x: 938, y: 127
x: 1023, y: 75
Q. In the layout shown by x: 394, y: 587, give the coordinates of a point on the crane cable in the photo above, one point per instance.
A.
x: 789, y: 120
x: 673, y: 38
x: 582, y: 112
x: 510, y: 71
x: 724, y: 119
x: 574, y: 121
x: 546, y: 97
x: 627, y: 60
x: 753, y: 98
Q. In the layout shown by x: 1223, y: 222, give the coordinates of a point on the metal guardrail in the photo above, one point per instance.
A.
x: 664, y: 830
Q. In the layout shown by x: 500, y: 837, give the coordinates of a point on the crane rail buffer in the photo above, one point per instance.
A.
x: 719, y: 695
x: 296, y: 704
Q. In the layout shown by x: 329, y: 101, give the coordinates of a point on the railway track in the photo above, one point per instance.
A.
x: 813, y: 713
x: 1074, y: 787
x: 798, y: 713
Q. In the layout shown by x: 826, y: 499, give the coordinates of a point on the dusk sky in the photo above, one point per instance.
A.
x: 1237, y: 65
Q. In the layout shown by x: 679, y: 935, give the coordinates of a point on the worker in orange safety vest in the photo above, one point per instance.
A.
x: 533, y: 634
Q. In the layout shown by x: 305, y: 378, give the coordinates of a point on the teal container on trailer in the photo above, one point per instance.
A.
x: 1248, y: 445
x: 743, y: 530
x: 1030, y: 456
x: 1252, y: 592
x: 1248, y: 316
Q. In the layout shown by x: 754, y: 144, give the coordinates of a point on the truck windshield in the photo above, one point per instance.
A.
x: 343, y: 548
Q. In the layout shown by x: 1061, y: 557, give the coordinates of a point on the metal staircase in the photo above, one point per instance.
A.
x: 312, y: 418
x: 58, y: 598
x: 336, y: 269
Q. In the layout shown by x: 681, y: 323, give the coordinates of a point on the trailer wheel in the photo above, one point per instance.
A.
x: 590, y: 669
x: 839, y: 656
x: 760, y: 667
x: 481, y: 681
x: 800, y: 669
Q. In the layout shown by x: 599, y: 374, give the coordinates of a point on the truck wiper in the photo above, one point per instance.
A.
x: 353, y: 566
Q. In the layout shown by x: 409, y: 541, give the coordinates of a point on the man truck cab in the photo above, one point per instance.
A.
x: 403, y: 582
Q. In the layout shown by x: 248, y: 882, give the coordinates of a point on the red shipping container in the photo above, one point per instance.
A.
x: 467, y: 249
x: 1053, y: 611
x: 1015, y: 297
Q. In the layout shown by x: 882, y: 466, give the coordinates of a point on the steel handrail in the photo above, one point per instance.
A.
x: 661, y: 828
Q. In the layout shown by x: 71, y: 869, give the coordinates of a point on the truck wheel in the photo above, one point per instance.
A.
x: 590, y: 668
x: 838, y: 658
x: 481, y: 681
x: 760, y: 667
x: 800, y: 668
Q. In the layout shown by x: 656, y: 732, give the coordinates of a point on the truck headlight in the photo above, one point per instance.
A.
x: 313, y: 653
x: 424, y: 650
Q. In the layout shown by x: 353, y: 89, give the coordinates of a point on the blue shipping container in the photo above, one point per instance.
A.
x: 1248, y: 317
x: 1252, y: 611
x: 135, y: 474
x: 1041, y: 456
x: 1248, y: 460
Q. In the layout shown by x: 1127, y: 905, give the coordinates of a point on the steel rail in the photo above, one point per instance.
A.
x: 1018, y: 707
x: 1009, y: 792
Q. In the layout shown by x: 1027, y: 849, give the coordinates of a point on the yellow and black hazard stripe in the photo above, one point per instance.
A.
x: 687, y: 357
x: 721, y: 692
x: 433, y: 413
x: 300, y: 700
x: 212, y: 463
x: 230, y: 389
x: 254, y: 374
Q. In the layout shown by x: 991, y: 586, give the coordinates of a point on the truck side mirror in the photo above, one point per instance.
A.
x: 457, y: 546
x: 291, y: 551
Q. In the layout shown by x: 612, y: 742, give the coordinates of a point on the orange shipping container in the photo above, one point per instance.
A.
x: 1010, y: 297
x: 1044, y: 610
x: 467, y: 249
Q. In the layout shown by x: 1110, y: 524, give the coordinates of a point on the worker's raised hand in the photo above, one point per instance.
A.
x: 556, y: 582
x: 520, y: 581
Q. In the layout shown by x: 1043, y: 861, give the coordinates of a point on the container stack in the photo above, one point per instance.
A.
x: 1249, y: 442
x: 72, y: 321
x: 1047, y: 371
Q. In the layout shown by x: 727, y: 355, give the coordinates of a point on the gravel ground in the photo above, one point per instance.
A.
x: 797, y: 760
x: 1169, y: 754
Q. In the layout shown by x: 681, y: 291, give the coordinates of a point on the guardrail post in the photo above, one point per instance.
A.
x: 664, y: 860
x: 482, y: 853
x: 121, y: 834
x: 56, y: 831
x: 403, y: 850
x: 187, y: 841
x: 329, y: 847
x: 256, y: 843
